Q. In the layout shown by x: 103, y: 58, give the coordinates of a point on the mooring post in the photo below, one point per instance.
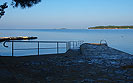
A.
x: 12, y: 48
x: 38, y: 48
x: 57, y: 47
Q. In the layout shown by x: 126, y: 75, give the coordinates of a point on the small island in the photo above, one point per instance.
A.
x: 111, y: 27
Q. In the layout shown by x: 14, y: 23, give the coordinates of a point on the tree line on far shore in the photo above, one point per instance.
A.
x: 111, y: 27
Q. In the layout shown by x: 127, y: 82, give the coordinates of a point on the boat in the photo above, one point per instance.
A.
x: 2, y: 39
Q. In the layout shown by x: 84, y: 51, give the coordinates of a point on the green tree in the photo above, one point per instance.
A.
x: 17, y: 3
x: 2, y: 9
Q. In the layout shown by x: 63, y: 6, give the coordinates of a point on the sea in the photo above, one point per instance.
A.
x: 121, y: 39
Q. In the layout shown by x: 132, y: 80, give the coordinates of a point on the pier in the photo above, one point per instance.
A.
x: 91, y: 63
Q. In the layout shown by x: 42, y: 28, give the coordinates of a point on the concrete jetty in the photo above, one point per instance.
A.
x: 92, y: 63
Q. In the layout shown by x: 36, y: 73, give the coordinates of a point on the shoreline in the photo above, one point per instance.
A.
x: 109, y: 28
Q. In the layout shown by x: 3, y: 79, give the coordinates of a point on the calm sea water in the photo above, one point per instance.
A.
x: 121, y: 39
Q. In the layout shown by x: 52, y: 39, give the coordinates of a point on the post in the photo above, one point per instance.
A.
x: 57, y: 48
x: 12, y: 48
x: 78, y: 43
x: 73, y: 44
x: 38, y: 48
x: 66, y: 46
x: 70, y: 45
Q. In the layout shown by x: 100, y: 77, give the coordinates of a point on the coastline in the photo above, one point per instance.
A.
x: 108, y: 28
x: 111, y: 27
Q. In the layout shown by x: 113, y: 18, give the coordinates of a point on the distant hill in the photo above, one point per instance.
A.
x: 111, y: 27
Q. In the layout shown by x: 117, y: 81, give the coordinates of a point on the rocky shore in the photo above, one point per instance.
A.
x: 91, y: 63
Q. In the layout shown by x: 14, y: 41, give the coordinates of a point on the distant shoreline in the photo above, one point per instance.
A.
x: 111, y: 27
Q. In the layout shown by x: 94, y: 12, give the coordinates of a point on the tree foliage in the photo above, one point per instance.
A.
x: 24, y: 3
x: 2, y: 9
x: 17, y: 3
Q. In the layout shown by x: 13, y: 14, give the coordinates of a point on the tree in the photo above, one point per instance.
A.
x: 17, y: 3
x: 2, y: 8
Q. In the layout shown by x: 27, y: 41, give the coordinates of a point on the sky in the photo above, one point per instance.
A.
x: 73, y: 14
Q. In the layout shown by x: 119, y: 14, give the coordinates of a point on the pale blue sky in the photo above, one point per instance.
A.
x: 69, y: 14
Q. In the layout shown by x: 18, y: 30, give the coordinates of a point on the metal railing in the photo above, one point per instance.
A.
x: 68, y: 45
x: 104, y: 42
